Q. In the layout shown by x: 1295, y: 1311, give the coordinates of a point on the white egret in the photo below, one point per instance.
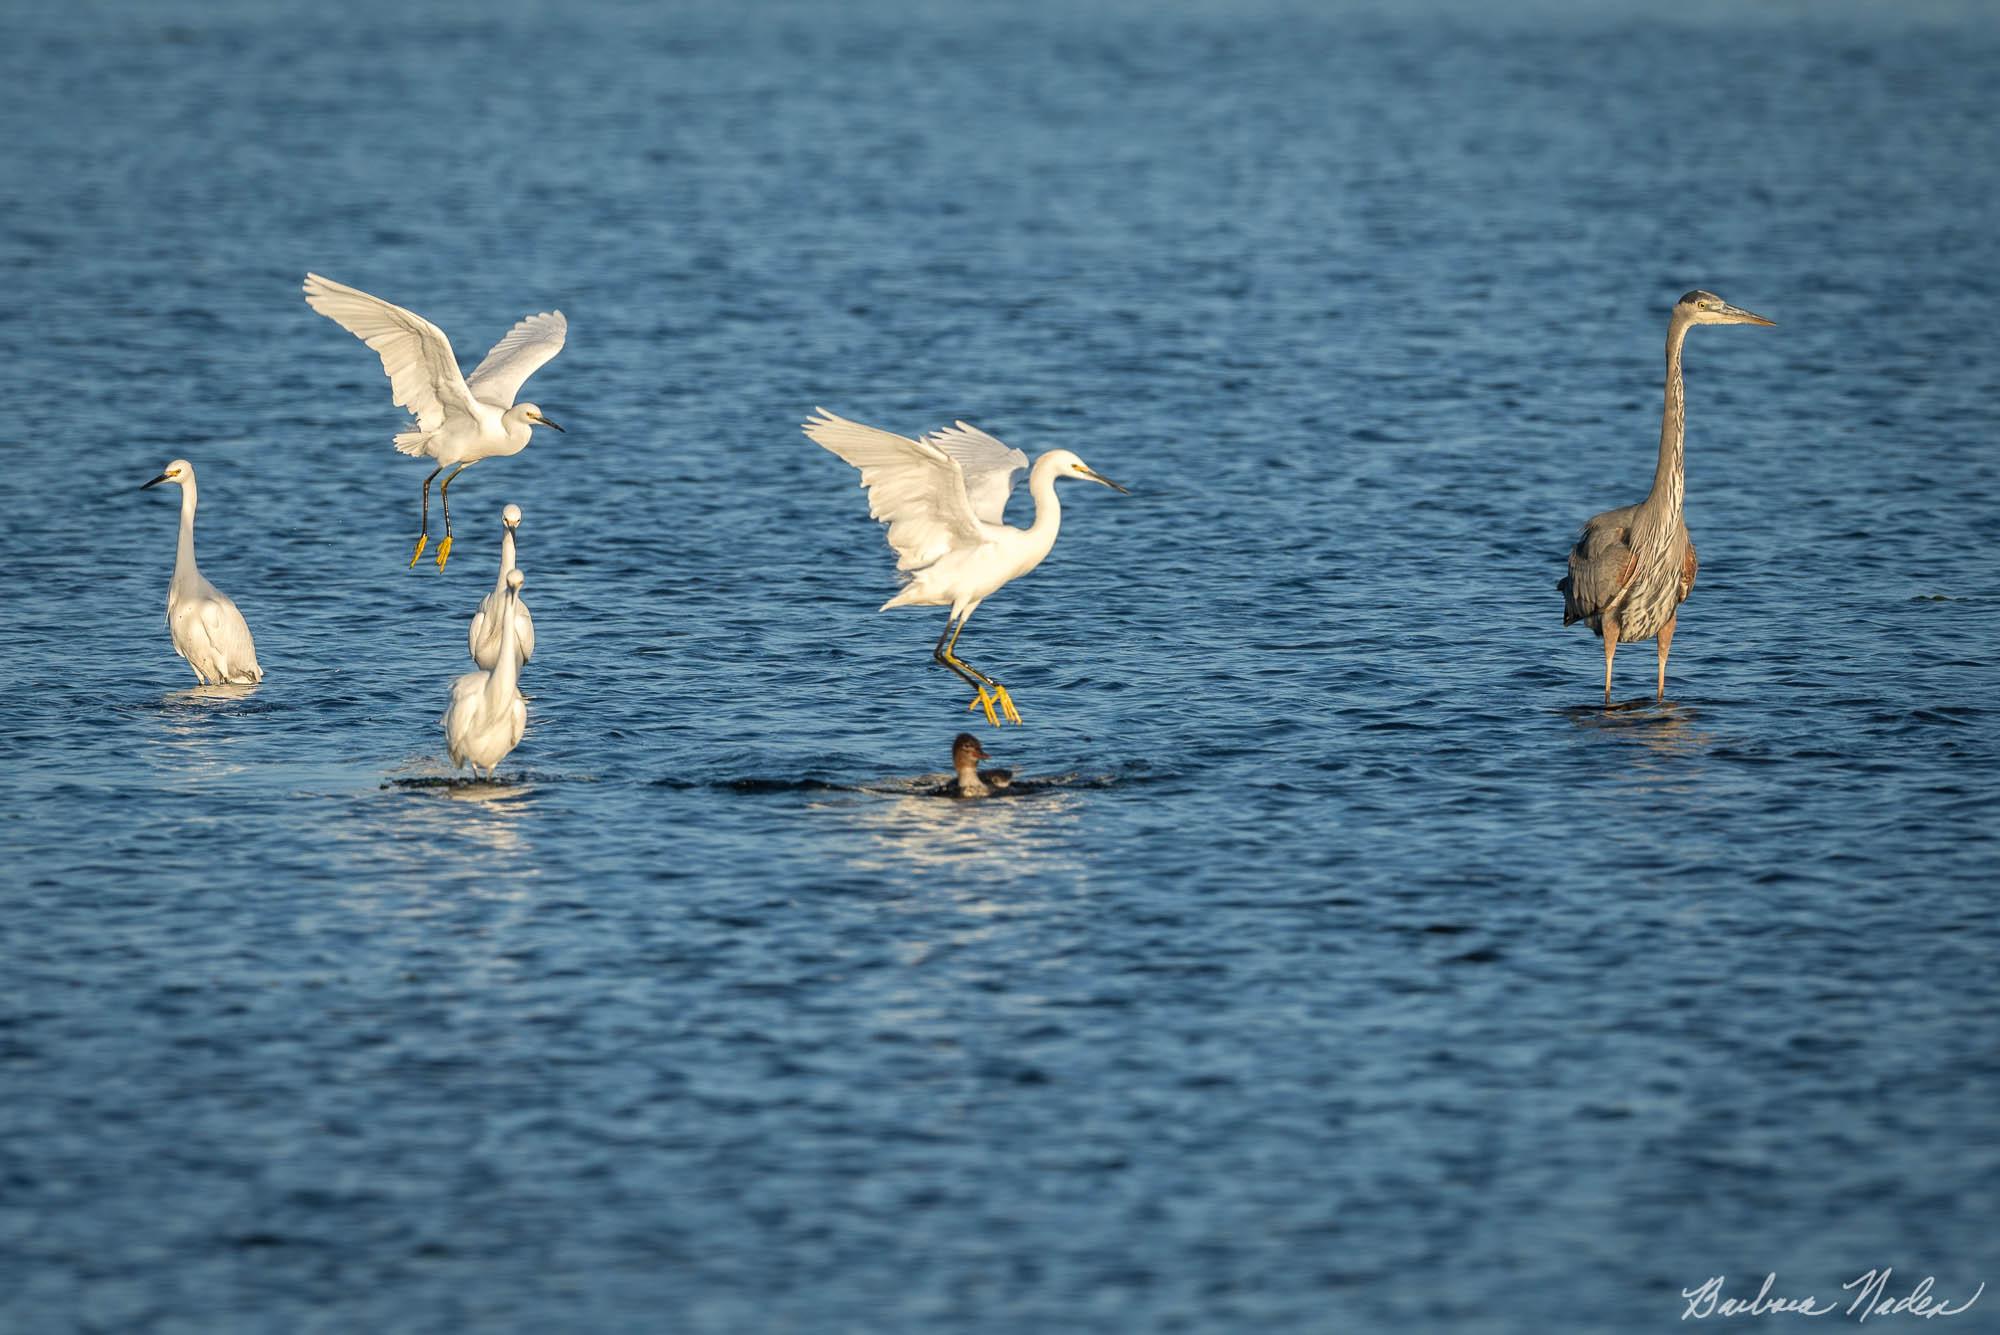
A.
x: 966, y: 753
x: 207, y: 629
x: 483, y: 639
x: 460, y: 419
x: 944, y: 498
x: 487, y: 714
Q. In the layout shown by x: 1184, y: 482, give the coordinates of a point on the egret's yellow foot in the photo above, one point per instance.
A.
x: 1006, y: 703
x: 423, y: 541
x: 444, y: 551
x: 985, y: 702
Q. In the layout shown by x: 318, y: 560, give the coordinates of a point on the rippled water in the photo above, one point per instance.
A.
x: 1353, y: 969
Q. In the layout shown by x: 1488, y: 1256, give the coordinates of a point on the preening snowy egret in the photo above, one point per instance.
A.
x: 483, y: 639
x: 943, y: 498
x: 1632, y: 568
x: 460, y: 419
x: 966, y: 753
x: 208, y: 631
x: 487, y: 714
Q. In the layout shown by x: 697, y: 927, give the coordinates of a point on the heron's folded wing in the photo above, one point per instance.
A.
x: 989, y: 467
x: 422, y: 370
x: 914, y: 487
x: 526, y: 348
x: 1600, y: 563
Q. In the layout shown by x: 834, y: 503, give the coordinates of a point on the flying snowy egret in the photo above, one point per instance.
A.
x: 966, y: 753
x: 460, y: 419
x: 943, y: 498
x: 487, y: 714
x: 483, y: 639
x: 207, y: 629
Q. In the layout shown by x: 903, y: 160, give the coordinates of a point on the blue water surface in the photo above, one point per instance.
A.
x: 1352, y: 968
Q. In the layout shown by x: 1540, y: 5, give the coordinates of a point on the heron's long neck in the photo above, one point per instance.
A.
x: 1670, y: 478
x: 500, y: 682
x: 184, y: 554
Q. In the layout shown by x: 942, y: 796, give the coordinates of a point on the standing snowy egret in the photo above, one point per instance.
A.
x: 460, y: 419
x: 483, y: 639
x: 1632, y: 568
x: 207, y: 629
x: 944, y: 498
x: 487, y: 714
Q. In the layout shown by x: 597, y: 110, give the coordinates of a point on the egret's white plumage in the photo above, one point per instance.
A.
x: 460, y: 419
x: 207, y: 629
x: 487, y: 714
x: 483, y: 638
x: 943, y: 497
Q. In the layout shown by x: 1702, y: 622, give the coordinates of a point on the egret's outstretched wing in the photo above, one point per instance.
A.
x: 524, y: 351
x: 914, y: 487
x: 989, y: 467
x: 423, y: 372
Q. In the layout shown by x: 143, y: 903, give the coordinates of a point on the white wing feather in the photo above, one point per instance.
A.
x: 989, y: 467
x: 914, y: 487
x: 527, y: 348
x: 422, y: 369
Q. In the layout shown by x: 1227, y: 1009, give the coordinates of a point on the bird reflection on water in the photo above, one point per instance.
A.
x: 488, y: 812
x: 1026, y: 834
x: 1668, y: 734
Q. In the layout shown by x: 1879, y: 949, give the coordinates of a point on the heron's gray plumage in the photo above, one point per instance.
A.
x: 1632, y: 567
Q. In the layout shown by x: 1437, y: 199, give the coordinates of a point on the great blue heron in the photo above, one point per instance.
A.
x: 1631, y: 568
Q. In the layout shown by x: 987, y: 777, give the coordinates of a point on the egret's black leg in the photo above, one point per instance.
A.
x: 424, y: 531
x: 444, y: 496
x: 991, y: 692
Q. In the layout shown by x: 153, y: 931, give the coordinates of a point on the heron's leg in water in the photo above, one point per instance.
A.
x: 991, y: 692
x: 1666, y: 639
x: 941, y: 653
x: 424, y: 533
x: 444, y: 489
x: 1610, y: 649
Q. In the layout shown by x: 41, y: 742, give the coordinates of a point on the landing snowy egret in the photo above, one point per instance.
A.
x: 207, y: 629
x: 483, y: 639
x: 487, y: 714
x: 460, y: 419
x: 966, y: 753
x: 944, y: 497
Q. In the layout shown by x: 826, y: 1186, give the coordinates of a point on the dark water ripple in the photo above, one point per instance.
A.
x: 1349, y: 969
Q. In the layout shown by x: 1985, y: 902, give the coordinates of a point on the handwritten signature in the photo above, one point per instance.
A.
x: 1871, y: 1298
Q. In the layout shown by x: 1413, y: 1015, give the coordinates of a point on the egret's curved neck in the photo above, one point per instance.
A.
x: 1670, y: 477
x: 506, y: 557
x: 506, y: 671
x: 519, y: 429
x: 184, y: 554
x: 1048, y: 510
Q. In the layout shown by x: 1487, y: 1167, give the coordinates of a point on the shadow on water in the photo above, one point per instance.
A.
x: 468, y: 790
x: 203, y: 695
